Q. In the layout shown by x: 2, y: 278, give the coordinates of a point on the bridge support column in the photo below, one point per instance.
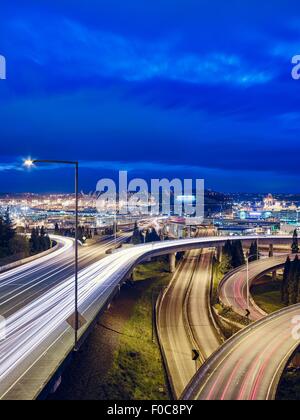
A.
x: 274, y: 275
x: 271, y: 250
x: 56, y: 385
x: 172, y: 262
x: 130, y: 278
x: 219, y: 253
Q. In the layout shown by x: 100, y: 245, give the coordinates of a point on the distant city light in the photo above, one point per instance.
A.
x: 186, y: 198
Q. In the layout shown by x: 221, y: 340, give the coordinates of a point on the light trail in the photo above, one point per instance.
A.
x: 261, y: 350
x: 34, y: 329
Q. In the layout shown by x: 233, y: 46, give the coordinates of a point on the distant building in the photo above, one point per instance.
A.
x: 269, y: 201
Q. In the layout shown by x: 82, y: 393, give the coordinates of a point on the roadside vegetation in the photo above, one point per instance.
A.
x: 119, y: 360
x: 15, y: 246
x: 138, y: 237
x: 285, y: 291
x: 232, y: 257
x: 137, y: 372
x: 290, y: 289
x: 267, y: 295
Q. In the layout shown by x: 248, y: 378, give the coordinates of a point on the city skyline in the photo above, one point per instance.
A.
x: 200, y: 90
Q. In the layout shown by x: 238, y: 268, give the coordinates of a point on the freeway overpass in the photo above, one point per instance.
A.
x: 233, y: 287
x: 39, y: 339
x: 249, y: 365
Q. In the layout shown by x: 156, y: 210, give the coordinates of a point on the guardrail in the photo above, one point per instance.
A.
x: 23, y: 261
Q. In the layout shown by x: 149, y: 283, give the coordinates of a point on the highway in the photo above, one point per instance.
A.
x: 184, y: 321
x: 38, y: 336
x: 22, y: 285
x: 250, y: 364
x: 233, y: 288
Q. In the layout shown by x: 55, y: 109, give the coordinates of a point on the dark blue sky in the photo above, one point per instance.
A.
x: 188, y: 88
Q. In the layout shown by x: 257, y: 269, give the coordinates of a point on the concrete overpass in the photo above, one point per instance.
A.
x: 39, y: 339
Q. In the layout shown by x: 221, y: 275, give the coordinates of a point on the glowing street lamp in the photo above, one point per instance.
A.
x: 29, y: 163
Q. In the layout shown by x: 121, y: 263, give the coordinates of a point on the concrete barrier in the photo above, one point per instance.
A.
x: 28, y: 260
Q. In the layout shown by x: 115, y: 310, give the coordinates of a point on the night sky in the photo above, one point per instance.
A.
x: 163, y: 88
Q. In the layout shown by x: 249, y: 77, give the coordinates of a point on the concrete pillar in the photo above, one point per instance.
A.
x: 172, y: 262
x: 271, y: 250
x: 56, y: 385
x: 130, y: 278
x: 274, y: 275
x: 219, y: 253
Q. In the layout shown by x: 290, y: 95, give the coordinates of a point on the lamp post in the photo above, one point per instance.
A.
x: 248, y: 279
x: 29, y: 163
x: 115, y: 228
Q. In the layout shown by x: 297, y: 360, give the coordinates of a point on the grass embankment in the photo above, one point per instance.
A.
x: 229, y: 314
x: 229, y: 328
x: 217, y: 277
x: 268, y: 295
x: 137, y: 372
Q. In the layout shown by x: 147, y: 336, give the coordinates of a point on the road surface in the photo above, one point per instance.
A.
x: 184, y: 320
x: 38, y: 336
x: 22, y: 285
x: 233, y: 288
x: 249, y: 365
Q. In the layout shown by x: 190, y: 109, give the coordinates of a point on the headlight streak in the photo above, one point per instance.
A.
x: 46, y: 316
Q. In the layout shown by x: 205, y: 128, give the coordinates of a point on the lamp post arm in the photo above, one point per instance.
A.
x: 58, y: 162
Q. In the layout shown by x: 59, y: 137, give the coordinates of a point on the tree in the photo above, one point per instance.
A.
x: 137, y: 237
x: 34, y: 241
x: 225, y: 264
x: 253, y: 252
x: 152, y: 236
x: 226, y: 260
x: 295, y: 244
x: 56, y: 229
x: 7, y: 233
x: 45, y: 242
x: 285, y: 282
x: 39, y: 241
x: 237, y: 254
x: 293, y: 283
x: 19, y: 245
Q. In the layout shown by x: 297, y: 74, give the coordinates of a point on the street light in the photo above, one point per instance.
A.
x: 30, y: 163
x: 248, y: 279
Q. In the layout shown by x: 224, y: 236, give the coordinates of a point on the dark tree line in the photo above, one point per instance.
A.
x: 253, y: 252
x: 232, y: 256
x: 83, y: 232
x: 295, y: 243
x: 139, y: 238
x: 290, y: 289
x: 10, y: 242
x: 39, y: 241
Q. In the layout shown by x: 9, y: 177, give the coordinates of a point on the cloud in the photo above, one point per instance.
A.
x: 68, y: 49
x: 181, y: 88
x: 4, y: 167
